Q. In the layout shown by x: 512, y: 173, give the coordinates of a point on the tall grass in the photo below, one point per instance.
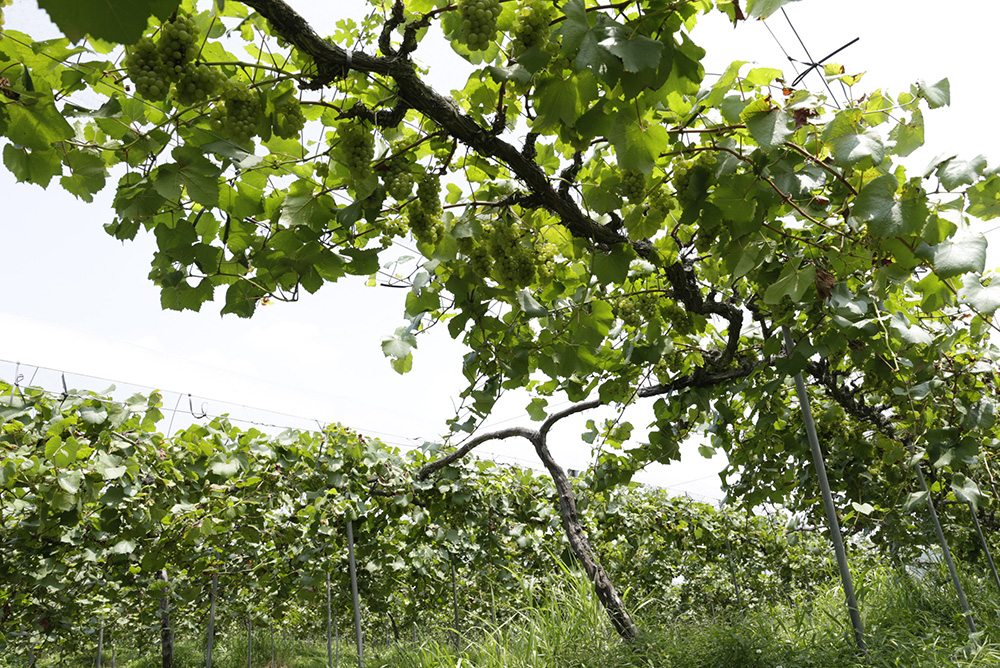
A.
x: 912, y: 621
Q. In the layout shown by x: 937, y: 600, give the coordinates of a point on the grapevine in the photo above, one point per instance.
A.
x: 660, y: 204
x: 177, y: 46
x: 545, y: 261
x: 424, y: 212
x: 355, y: 148
x: 633, y: 186
x: 479, y: 22
x: 513, y: 263
x: 398, y: 179
x: 145, y: 68
x: 3, y: 3
x: 288, y: 120
x: 197, y: 85
x: 238, y: 114
x: 532, y: 26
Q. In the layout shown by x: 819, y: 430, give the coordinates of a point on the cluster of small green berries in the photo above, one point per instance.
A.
x: 288, y: 120
x: 398, y: 179
x: 3, y: 3
x: 237, y: 115
x: 177, y: 46
x: 154, y: 65
x: 532, y: 26
x: 355, y: 147
x: 626, y: 311
x: 683, y: 172
x: 390, y: 228
x: 478, y: 22
x: 677, y: 316
x: 501, y: 252
x: 145, y: 68
x: 425, y: 211
x: 545, y: 261
x: 670, y: 363
x: 660, y: 204
x: 197, y: 84
x: 633, y: 186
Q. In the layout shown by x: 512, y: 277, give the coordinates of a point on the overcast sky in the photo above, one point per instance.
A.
x: 76, y: 301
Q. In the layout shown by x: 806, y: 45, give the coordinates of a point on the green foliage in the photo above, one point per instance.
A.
x: 762, y: 207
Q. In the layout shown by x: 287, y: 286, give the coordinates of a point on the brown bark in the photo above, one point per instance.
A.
x: 577, y: 536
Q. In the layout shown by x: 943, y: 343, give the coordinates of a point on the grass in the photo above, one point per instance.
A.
x: 911, y: 621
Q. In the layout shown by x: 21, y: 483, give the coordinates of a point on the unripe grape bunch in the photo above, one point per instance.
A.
x: 177, y: 45
x: 478, y: 22
x: 425, y: 211
x: 237, y: 116
x: 355, y: 147
x: 197, y: 84
x: 398, y: 179
x: 532, y: 26
x: 633, y: 186
x: 288, y: 119
x: 145, y: 68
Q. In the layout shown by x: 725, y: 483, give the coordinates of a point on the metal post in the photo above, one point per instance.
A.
x: 210, y: 640
x: 947, y: 553
x: 454, y: 601
x: 831, y: 510
x: 100, y: 643
x: 354, y: 591
x: 986, y: 547
x: 329, y: 621
x: 249, y: 641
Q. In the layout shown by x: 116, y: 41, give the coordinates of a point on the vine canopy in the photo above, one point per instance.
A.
x: 591, y: 214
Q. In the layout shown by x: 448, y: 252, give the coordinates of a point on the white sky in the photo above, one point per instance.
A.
x: 75, y: 300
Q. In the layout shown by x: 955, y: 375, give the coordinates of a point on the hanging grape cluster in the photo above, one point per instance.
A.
x: 145, y: 68
x: 177, y: 46
x: 633, y: 186
x: 3, y: 3
x: 238, y: 114
x: 532, y: 26
x: 513, y: 260
x: 197, y: 85
x: 425, y: 211
x: 478, y: 22
x: 288, y: 120
x: 154, y: 65
x: 545, y: 261
x: 660, y: 205
x: 398, y: 179
x: 355, y: 147
x: 685, y: 170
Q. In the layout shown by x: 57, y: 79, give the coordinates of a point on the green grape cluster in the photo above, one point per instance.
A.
x: 479, y: 259
x: 633, y: 186
x: 197, y: 84
x: 177, y: 46
x: 532, y: 26
x: 684, y: 170
x: 3, y: 3
x: 478, y: 22
x: 425, y: 211
x: 398, y: 179
x: 669, y: 363
x: 677, y: 316
x: 545, y: 261
x: 355, y: 147
x: 513, y: 262
x: 238, y: 114
x: 391, y: 228
x: 144, y: 67
x: 288, y: 120
x: 660, y: 205
x: 626, y: 311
